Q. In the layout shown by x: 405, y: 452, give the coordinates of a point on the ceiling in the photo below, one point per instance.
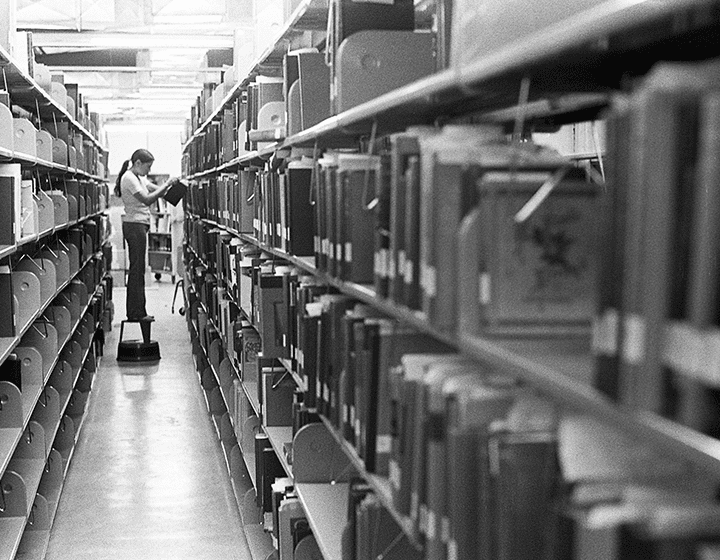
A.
x: 140, y: 59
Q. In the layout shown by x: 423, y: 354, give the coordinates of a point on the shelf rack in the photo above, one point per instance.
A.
x: 26, y: 91
x: 599, y: 49
x: 18, y: 536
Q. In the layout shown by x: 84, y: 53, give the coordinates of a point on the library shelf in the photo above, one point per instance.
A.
x: 310, y: 15
x: 379, y: 484
x: 24, y: 89
x: 279, y: 436
x: 572, y: 71
x: 9, y: 438
x: 326, y: 505
x: 11, y: 530
x: 561, y: 371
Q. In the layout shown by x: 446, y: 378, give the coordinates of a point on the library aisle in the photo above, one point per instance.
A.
x: 148, y: 478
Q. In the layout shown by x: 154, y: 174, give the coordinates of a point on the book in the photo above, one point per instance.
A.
x: 472, y: 402
x: 11, y: 213
x: 403, y: 145
x: 356, y: 177
x: 522, y: 482
x: 414, y: 367
x: 300, y: 219
x: 436, y: 372
x: 540, y: 269
x: 612, y: 232
x: 703, y: 296
x: 450, y: 161
x: 11, y: 370
x: 658, y: 128
x: 413, y: 241
x: 380, y: 205
x: 388, y: 344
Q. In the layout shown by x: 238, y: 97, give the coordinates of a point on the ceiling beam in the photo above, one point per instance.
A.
x: 105, y: 40
x: 105, y: 69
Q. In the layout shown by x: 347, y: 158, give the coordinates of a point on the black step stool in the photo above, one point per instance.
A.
x: 144, y: 350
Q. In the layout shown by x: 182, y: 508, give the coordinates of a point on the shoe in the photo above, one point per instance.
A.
x: 141, y: 319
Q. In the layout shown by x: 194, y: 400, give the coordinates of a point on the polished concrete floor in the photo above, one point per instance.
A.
x: 147, y: 480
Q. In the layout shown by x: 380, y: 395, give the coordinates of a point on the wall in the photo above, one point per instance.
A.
x: 163, y: 141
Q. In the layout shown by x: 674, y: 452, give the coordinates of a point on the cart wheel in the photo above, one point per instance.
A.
x: 181, y: 311
x: 157, y: 276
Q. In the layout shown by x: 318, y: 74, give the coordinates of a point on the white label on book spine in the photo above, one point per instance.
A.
x: 431, y: 531
x: 381, y: 261
x: 445, y: 529
x: 394, y: 474
x: 316, y: 243
x: 484, y: 288
x: 401, y: 260
x: 326, y: 392
x: 414, y: 506
x: 348, y: 251
x: 409, y: 272
x: 605, y: 333
x: 685, y: 349
x: 392, y: 266
x: 423, y: 519
x: 429, y: 280
x: 711, y: 370
x: 346, y: 413
x: 452, y: 551
x: 383, y: 444
x: 278, y: 230
x: 634, y: 343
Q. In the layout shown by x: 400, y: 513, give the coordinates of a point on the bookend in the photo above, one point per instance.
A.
x: 318, y: 458
x: 145, y: 350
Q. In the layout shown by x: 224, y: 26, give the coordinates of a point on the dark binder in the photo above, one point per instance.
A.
x: 11, y: 370
x: 176, y: 193
x: 7, y: 218
x: 356, y: 177
x: 300, y: 220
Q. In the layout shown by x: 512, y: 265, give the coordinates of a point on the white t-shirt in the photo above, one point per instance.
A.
x: 135, y: 210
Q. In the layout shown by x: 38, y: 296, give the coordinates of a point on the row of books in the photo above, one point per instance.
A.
x: 470, y: 229
x: 56, y: 381
x: 260, y: 109
x: 657, y: 321
x: 312, y: 85
x: 32, y: 279
x: 211, y: 96
x: 74, y: 306
x: 68, y: 96
x: 38, y: 204
x: 52, y: 141
x: 471, y: 456
x: 64, y: 94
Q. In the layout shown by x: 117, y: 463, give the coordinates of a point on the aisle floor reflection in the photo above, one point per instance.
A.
x: 148, y: 478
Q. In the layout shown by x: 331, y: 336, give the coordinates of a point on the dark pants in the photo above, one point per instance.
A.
x: 135, y: 235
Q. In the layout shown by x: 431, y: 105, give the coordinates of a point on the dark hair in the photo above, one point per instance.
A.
x: 141, y: 155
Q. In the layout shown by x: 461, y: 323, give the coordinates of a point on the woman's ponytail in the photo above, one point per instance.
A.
x: 124, y: 168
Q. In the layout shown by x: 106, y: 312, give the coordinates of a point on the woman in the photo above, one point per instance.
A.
x: 137, y: 194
